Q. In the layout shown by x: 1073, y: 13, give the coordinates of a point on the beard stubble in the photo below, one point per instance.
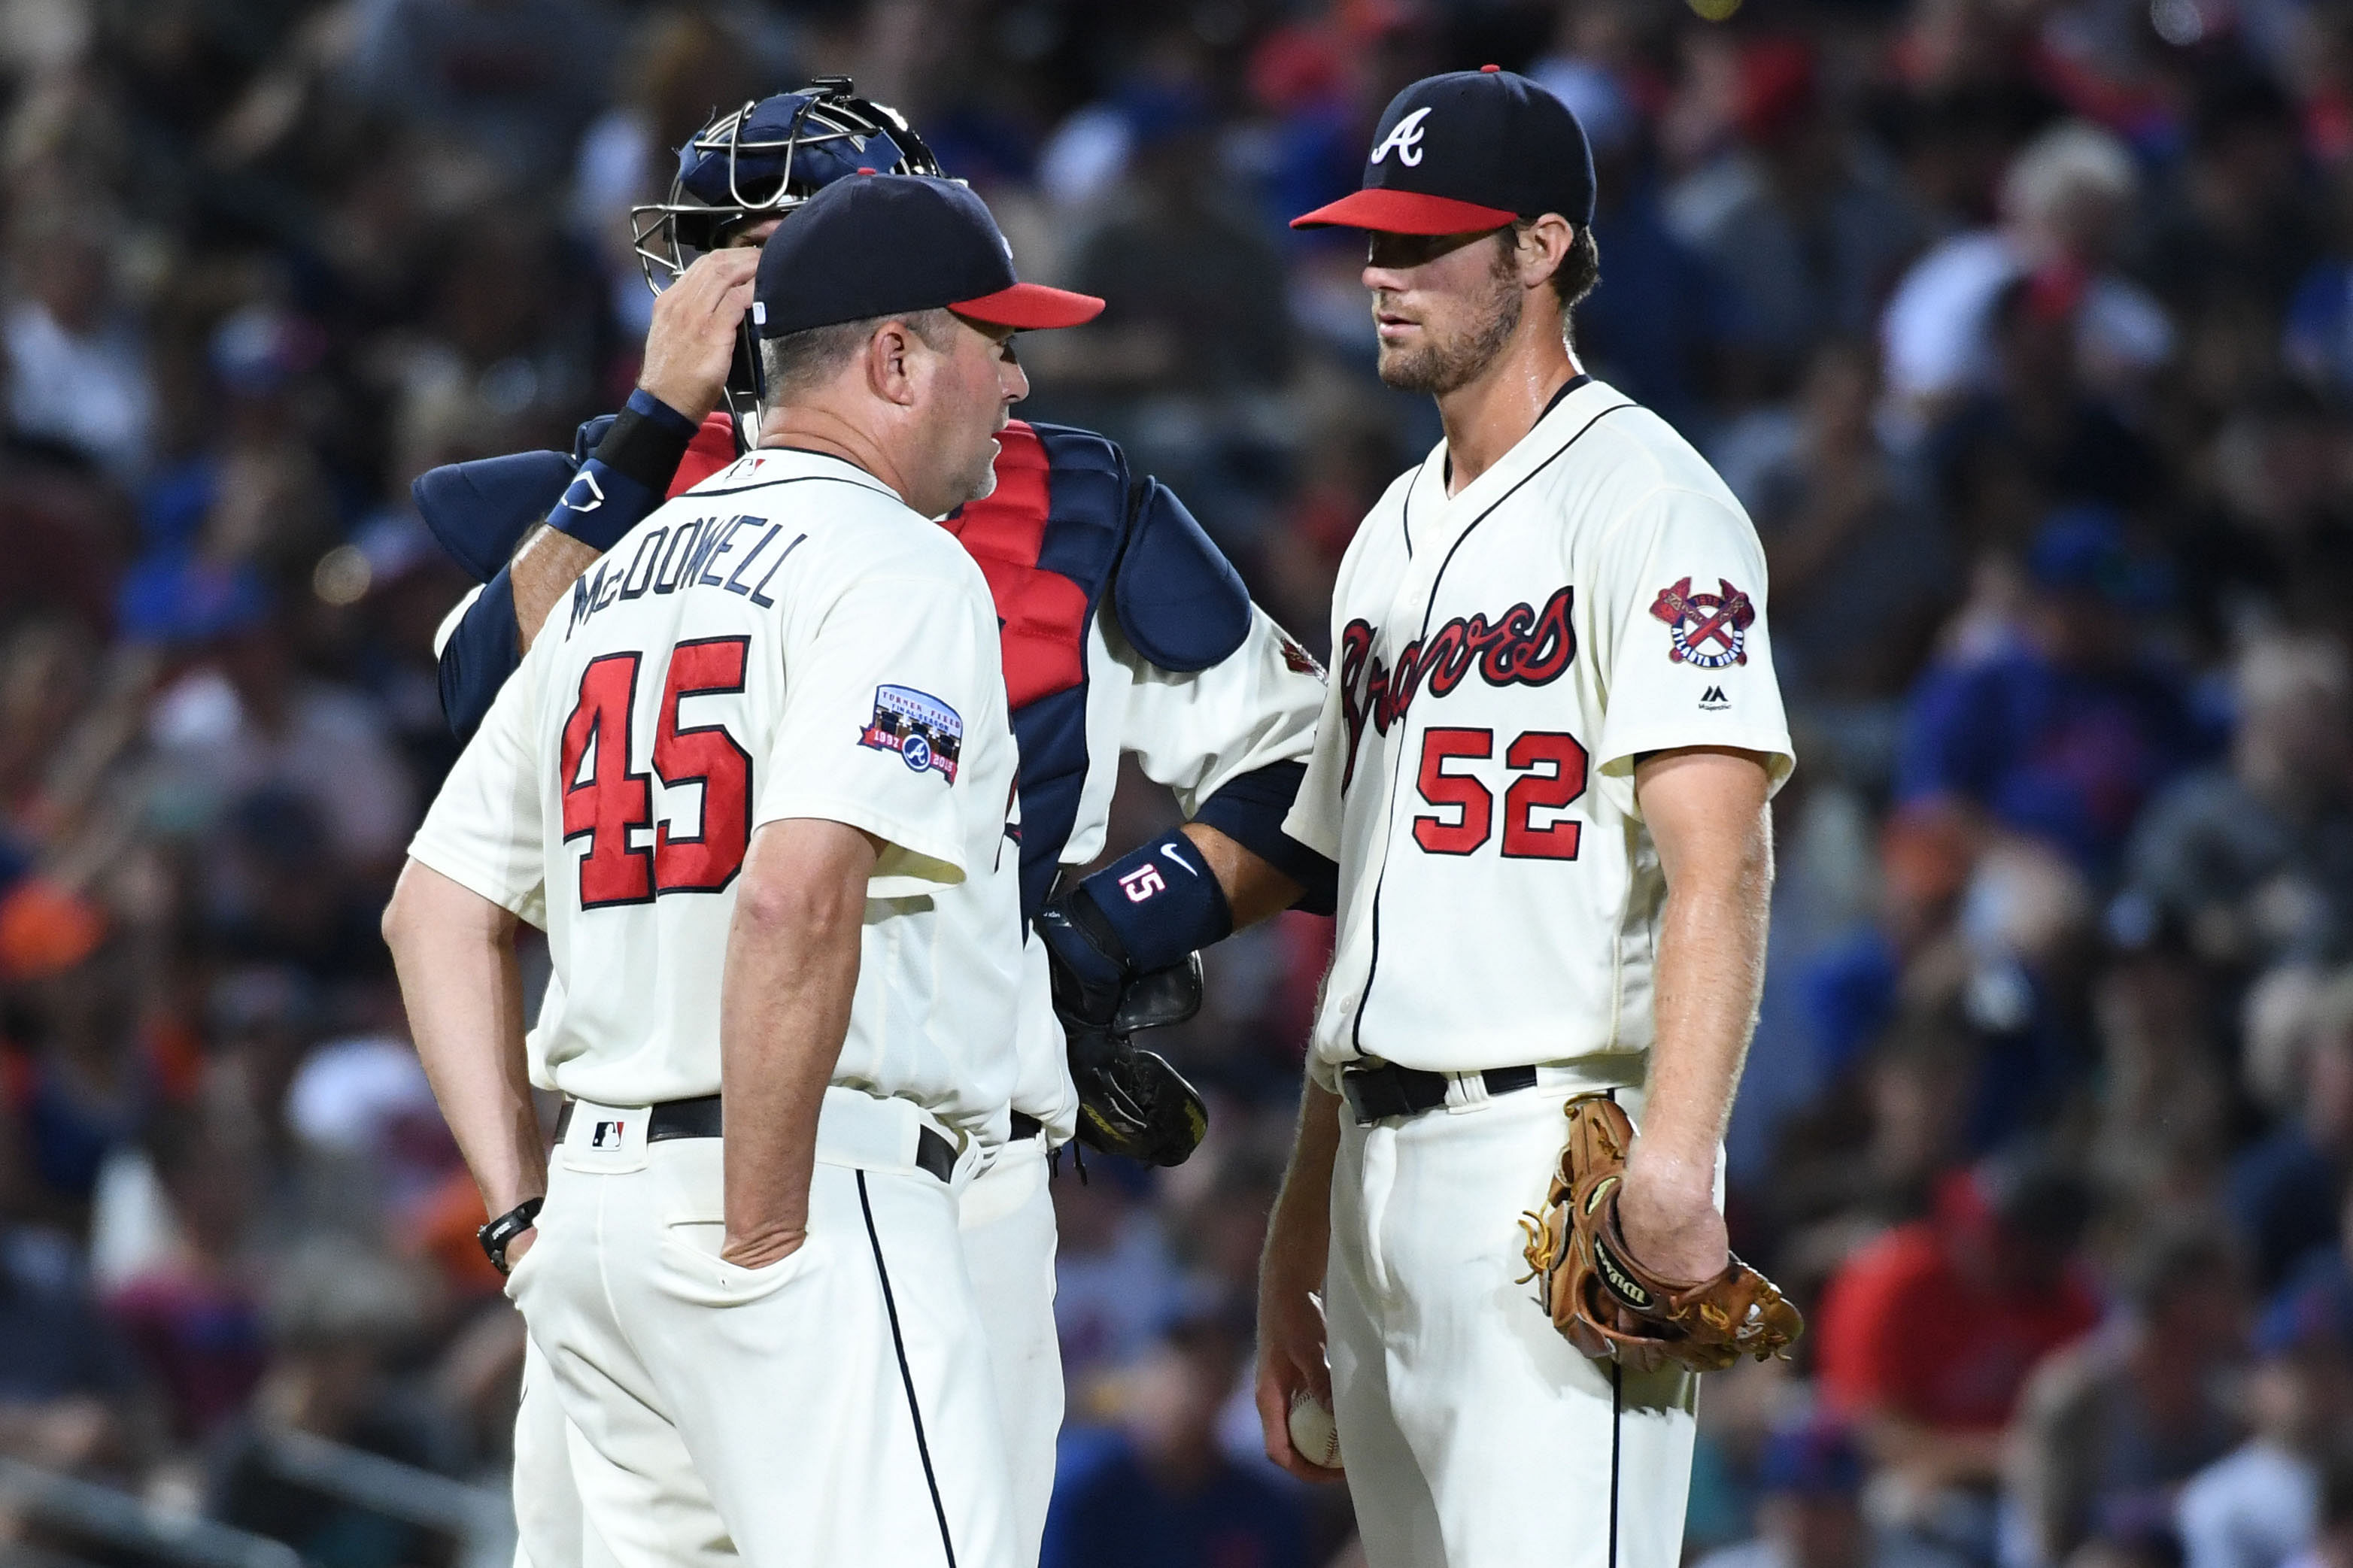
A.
x: 1439, y: 368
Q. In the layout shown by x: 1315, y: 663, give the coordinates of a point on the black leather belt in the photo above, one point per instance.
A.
x: 701, y: 1118
x: 1375, y: 1093
x: 1025, y: 1126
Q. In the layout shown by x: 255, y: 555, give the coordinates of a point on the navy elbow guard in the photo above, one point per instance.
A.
x: 628, y: 474
x: 478, y: 657
x: 1250, y: 811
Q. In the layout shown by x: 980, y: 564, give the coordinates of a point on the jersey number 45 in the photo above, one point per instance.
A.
x: 610, y: 805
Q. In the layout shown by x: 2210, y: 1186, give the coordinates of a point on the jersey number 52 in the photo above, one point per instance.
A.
x: 610, y: 805
x: 1552, y: 765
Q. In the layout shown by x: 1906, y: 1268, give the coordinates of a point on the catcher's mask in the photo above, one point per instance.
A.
x: 767, y: 157
x: 759, y: 161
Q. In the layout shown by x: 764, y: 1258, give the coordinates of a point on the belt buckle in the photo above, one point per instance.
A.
x: 1361, y: 1085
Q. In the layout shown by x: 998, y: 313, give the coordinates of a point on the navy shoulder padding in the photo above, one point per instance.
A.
x: 480, y: 510
x: 1178, y: 599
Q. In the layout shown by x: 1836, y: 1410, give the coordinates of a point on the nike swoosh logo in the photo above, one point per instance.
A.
x: 1172, y: 855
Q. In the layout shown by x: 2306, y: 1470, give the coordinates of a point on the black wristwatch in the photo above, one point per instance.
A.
x: 495, y: 1236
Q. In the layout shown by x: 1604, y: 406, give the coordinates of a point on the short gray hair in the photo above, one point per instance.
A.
x: 798, y: 363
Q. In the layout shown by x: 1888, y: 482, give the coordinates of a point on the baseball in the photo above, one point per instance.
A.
x: 1313, y: 1433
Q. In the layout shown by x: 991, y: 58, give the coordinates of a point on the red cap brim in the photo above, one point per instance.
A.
x: 1404, y: 212
x: 1030, y: 307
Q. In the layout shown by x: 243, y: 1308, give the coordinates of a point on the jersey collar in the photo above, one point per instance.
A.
x: 1575, y: 404
x: 768, y: 465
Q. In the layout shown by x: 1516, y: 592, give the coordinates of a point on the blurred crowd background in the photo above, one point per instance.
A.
x: 2024, y: 328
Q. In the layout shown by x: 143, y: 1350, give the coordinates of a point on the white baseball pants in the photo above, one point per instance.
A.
x: 1474, y: 1435
x: 1008, y: 1217
x: 836, y: 1408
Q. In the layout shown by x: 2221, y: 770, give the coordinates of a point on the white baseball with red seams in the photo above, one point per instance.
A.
x: 1502, y: 657
x: 1314, y: 1435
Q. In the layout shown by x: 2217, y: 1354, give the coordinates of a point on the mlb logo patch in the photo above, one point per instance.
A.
x: 925, y: 731
x: 607, y: 1136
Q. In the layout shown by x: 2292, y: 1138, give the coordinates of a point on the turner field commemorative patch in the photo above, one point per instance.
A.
x: 925, y: 731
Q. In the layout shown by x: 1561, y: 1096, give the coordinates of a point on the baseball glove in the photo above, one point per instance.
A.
x: 1605, y: 1302
x: 1131, y: 1102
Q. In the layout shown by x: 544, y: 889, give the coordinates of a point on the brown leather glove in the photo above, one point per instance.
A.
x: 1610, y: 1307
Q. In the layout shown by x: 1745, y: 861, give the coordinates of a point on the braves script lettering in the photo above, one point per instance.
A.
x: 1522, y: 646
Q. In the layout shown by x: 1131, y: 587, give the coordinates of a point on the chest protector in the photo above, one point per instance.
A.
x: 1067, y: 528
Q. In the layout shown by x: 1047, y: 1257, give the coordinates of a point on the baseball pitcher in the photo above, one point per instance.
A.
x: 1543, y: 767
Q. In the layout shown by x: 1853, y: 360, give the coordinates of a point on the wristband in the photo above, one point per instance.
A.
x: 648, y: 439
x: 1162, y: 901
x: 627, y: 476
x: 495, y: 1236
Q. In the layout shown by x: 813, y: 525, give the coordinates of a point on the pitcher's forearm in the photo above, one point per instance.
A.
x: 1706, y: 814
x: 1711, y: 971
x: 1301, y: 1227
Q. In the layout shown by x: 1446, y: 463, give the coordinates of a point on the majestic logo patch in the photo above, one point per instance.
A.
x: 923, y: 730
x: 1404, y: 138
x: 1708, y: 630
x: 1714, y: 700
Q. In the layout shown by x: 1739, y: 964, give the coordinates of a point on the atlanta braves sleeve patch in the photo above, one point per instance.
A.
x: 925, y: 731
x: 1707, y: 630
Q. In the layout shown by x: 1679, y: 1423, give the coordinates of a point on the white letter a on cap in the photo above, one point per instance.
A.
x: 1405, y: 136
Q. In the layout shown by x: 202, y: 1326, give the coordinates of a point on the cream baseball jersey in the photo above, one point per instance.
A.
x: 786, y: 640
x: 1501, y: 658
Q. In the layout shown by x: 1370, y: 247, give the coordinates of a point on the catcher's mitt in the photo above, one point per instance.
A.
x: 1610, y: 1307
x: 1131, y: 1102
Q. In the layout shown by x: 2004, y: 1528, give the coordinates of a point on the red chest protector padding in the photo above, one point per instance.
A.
x: 713, y: 448
x: 1041, y: 612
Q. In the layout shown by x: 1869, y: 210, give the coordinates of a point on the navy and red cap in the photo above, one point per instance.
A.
x: 887, y: 245
x: 1468, y: 150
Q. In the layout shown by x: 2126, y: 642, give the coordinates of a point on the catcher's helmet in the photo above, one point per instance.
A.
x: 767, y: 157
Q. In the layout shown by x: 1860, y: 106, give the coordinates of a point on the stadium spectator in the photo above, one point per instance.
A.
x: 2283, y: 1189
x: 1863, y: 567
x: 192, y: 1317
x: 2110, y: 1427
x: 67, y: 1392
x: 1810, y: 1510
x: 1926, y: 1336
x: 1160, y: 1491
x: 2251, y: 860
x: 2065, y: 735
x: 1806, y: 227
x: 2259, y: 1506
x: 2065, y: 203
